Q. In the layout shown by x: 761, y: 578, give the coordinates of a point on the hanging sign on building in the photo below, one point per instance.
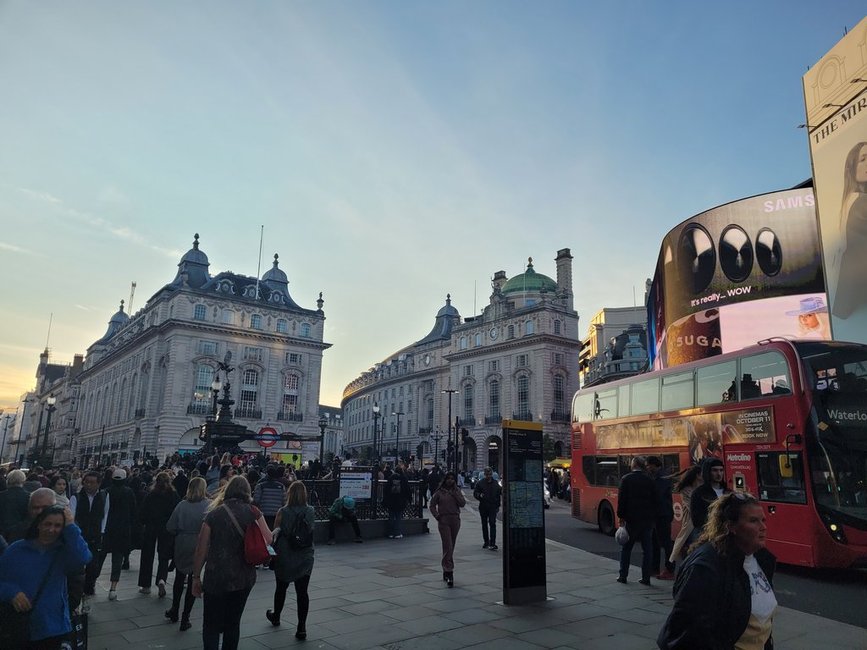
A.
x: 267, y: 437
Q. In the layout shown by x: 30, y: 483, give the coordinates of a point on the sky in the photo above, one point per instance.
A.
x: 393, y: 151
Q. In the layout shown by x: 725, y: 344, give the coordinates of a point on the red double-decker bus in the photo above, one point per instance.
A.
x: 787, y: 418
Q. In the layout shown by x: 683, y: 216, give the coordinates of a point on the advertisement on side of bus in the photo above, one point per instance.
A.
x: 835, y: 96
x: 736, y: 274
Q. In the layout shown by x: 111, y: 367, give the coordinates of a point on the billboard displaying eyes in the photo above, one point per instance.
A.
x: 757, y: 249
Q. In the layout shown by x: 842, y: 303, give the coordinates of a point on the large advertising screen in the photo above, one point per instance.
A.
x: 736, y: 274
x: 835, y: 95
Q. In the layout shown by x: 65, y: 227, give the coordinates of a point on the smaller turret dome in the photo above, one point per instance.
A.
x: 275, y: 274
x: 115, y: 323
x: 194, y: 255
x: 193, y: 267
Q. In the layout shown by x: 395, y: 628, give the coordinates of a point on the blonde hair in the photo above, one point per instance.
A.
x: 850, y: 184
x: 721, y: 515
x: 237, y: 488
x: 196, y: 490
x: 297, y: 494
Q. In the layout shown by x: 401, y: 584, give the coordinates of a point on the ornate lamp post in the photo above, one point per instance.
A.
x: 436, y: 437
x: 216, y: 385
x: 51, y: 401
x: 323, y: 423
x: 397, y: 442
x: 376, y: 416
x: 450, y: 392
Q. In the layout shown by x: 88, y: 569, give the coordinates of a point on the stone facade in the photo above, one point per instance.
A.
x: 517, y: 360
x: 615, y: 345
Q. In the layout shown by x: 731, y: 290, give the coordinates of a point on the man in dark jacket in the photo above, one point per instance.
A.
x: 13, y: 503
x: 714, y: 486
x: 395, y: 497
x: 89, y: 512
x: 489, y: 494
x: 636, y: 508
x: 664, y: 515
x: 119, y: 525
x: 269, y: 494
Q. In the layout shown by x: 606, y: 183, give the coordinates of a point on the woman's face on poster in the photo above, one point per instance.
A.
x: 810, y: 321
x: 861, y: 166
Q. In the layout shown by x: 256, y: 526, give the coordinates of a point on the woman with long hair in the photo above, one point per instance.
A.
x: 33, y: 575
x: 688, y: 481
x: 228, y: 578
x: 294, y: 562
x: 723, y: 593
x: 445, y: 506
x: 60, y: 486
x: 185, y: 524
x: 156, y: 508
x: 853, y: 234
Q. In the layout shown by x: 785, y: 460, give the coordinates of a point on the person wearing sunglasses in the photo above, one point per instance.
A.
x: 723, y: 592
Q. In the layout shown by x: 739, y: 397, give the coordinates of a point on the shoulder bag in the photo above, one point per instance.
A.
x: 255, y: 549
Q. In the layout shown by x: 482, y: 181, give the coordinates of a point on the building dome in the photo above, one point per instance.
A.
x: 275, y: 275
x: 194, y: 255
x: 529, y: 281
x: 116, y: 322
x: 446, y: 320
x: 193, y: 267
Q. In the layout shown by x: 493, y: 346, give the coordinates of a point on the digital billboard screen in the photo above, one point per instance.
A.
x: 835, y: 95
x: 736, y: 274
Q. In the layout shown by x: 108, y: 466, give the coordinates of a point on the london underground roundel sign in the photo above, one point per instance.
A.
x: 267, y: 437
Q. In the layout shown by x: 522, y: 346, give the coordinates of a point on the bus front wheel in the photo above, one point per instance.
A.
x: 606, y: 519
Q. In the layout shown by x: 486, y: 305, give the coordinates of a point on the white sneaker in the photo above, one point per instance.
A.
x: 144, y: 590
x: 398, y: 536
x: 112, y: 594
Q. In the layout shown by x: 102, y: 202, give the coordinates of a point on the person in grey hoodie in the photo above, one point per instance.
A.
x: 185, y: 523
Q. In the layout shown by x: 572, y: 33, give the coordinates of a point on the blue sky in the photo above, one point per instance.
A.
x: 394, y: 151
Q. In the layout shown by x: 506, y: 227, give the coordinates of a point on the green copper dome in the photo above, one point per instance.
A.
x: 530, y: 281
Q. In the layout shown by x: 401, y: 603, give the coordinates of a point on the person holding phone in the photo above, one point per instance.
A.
x: 445, y: 506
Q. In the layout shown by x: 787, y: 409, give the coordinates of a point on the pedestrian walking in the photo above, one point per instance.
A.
x: 269, y: 494
x: 723, y: 593
x: 395, y: 498
x: 228, y: 578
x: 185, y: 523
x: 489, y: 494
x: 713, y: 487
x: 445, y: 507
x: 88, y: 508
x: 120, y: 520
x: 662, y: 543
x: 294, y: 561
x: 689, y: 480
x: 14, y: 502
x: 636, y: 508
x: 154, y: 514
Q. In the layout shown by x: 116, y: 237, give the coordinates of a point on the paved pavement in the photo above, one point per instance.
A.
x: 389, y: 594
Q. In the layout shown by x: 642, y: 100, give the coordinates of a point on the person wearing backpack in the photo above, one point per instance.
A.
x: 396, y: 496
x: 294, y: 561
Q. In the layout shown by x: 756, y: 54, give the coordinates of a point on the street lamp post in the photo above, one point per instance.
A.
x: 215, y: 389
x: 376, y: 416
x: 450, y: 392
x: 436, y: 438
x: 3, y: 445
x: 323, y: 423
x: 397, y: 442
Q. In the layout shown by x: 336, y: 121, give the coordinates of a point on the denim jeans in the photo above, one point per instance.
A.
x: 645, y: 537
x: 489, y: 525
x: 394, y: 522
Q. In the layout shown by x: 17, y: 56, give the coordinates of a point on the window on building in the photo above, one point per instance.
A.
x: 290, y: 383
x: 252, y: 354
x: 523, y: 396
x: 494, y: 400
x: 469, y: 413
x: 199, y: 312
x: 510, y: 332
x: 305, y: 330
x: 282, y: 326
x: 429, y: 411
x: 208, y: 348
x: 529, y: 327
x: 249, y: 390
x: 293, y: 358
x: 463, y: 343
x: 478, y: 339
x: 228, y: 317
x: 290, y: 403
x: 556, y: 326
x: 521, y: 360
x: 494, y: 366
x: 256, y: 321
x: 468, y: 371
x: 559, y: 394
x: 202, y: 389
x: 558, y: 359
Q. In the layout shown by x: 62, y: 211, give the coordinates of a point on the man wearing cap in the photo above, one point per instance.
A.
x: 117, y: 527
x: 341, y: 511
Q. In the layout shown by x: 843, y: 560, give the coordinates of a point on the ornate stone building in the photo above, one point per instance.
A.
x: 615, y: 345
x: 517, y: 360
x: 146, y: 385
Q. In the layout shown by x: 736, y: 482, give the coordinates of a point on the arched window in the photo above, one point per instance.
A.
x: 202, y: 389
x: 463, y: 345
x: 494, y: 401
x: 529, y: 328
x: 478, y: 339
x: 523, y: 402
x: 199, y: 312
x: 290, y: 395
x: 249, y: 392
x: 469, y: 414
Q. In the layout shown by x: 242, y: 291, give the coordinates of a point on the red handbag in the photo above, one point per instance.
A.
x: 255, y: 549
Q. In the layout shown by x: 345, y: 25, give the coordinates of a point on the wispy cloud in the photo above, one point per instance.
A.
x: 120, y: 232
x: 12, y: 248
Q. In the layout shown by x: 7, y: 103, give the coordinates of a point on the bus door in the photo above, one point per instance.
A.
x: 781, y: 488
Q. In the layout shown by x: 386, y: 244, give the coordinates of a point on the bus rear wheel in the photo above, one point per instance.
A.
x: 605, y: 518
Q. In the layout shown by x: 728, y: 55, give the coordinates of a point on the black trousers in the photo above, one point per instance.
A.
x: 222, y: 615
x: 301, y: 594
x: 489, y: 524
x: 332, y: 525
x: 662, y: 542
x: 116, y: 563
x: 152, y: 541
x: 182, y: 580
x: 93, y: 568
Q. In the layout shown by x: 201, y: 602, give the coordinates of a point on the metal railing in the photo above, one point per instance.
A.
x: 493, y: 419
x: 250, y: 412
x: 560, y: 416
x: 525, y: 416
x: 196, y: 408
x: 321, y: 493
x: 290, y: 416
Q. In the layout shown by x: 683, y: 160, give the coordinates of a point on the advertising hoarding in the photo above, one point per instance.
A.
x: 736, y: 274
x: 835, y: 96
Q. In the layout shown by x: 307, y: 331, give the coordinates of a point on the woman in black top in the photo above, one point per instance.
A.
x: 155, y: 511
